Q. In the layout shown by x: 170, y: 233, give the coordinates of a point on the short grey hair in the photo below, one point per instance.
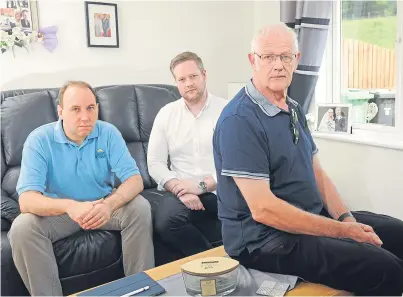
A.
x: 266, y: 30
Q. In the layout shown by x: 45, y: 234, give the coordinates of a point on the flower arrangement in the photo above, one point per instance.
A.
x: 16, y: 37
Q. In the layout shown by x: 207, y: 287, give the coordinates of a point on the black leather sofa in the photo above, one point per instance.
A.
x: 87, y: 258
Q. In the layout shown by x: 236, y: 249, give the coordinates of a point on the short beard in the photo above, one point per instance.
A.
x: 197, y: 98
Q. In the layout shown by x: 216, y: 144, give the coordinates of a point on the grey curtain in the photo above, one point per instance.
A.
x: 310, y: 19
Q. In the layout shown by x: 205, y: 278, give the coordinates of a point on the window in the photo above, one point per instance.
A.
x: 361, y: 64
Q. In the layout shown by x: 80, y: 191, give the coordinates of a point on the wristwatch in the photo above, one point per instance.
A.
x: 344, y: 216
x: 203, y: 186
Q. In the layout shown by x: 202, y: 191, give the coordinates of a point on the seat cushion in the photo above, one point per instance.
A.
x: 87, y: 251
x: 5, y: 224
x: 9, y: 208
x: 11, y: 282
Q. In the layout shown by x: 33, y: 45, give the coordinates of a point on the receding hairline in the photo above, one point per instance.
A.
x: 274, y: 28
x: 76, y: 84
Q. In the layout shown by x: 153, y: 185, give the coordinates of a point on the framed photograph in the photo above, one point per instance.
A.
x: 19, y: 13
x: 333, y: 118
x: 102, y: 24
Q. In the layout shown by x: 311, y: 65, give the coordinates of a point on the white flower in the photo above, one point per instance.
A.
x: 7, y: 39
x: 19, y: 38
x: 25, y: 38
x: 4, y: 36
x: 10, y: 43
x: 17, y: 31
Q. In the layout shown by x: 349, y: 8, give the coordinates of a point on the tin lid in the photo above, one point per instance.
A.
x: 210, y: 266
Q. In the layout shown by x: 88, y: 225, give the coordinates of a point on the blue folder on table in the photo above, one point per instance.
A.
x: 126, y: 285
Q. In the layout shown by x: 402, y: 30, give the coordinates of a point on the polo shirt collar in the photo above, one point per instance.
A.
x: 267, y: 107
x: 60, y: 136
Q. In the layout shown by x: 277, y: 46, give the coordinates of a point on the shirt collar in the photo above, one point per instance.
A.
x: 267, y: 107
x: 60, y: 136
x: 206, y: 104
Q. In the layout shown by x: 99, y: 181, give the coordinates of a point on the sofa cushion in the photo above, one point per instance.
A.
x: 11, y: 282
x: 3, y: 166
x: 5, y: 224
x: 9, y: 207
x: 87, y: 251
x: 9, y: 182
x: 148, y: 108
x: 20, y: 115
x: 136, y: 149
x: 117, y: 106
x: 13, y: 93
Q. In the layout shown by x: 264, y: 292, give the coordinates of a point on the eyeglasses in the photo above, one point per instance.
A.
x: 293, y: 126
x: 271, y: 58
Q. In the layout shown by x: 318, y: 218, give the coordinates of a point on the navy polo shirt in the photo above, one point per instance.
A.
x: 253, y: 139
x: 59, y: 168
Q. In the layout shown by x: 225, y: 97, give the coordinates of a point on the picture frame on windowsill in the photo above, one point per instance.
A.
x: 333, y: 118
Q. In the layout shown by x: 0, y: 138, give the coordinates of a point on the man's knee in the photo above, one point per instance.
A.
x: 387, y: 273
x: 139, y: 209
x: 170, y: 215
x: 393, y: 272
x: 23, y: 228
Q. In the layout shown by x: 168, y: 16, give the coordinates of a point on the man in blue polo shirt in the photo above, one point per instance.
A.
x: 279, y: 210
x: 66, y: 184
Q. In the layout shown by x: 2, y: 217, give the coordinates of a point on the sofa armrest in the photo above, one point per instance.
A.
x: 5, y: 224
x: 10, y: 208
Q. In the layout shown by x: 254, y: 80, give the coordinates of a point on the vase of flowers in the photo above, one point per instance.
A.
x: 11, y: 38
x: 17, y: 38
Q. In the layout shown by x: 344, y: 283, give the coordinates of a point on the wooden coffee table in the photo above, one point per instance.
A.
x: 302, y: 289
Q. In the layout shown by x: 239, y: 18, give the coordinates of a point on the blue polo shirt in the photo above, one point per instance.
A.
x: 59, y: 168
x: 254, y: 139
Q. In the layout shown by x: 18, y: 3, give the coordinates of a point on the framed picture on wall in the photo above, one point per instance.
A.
x: 102, y: 24
x: 333, y: 118
x: 19, y: 13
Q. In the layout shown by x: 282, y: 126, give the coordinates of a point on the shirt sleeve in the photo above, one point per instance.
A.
x: 34, y: 167
x: 243, y: 149
x: 304, y: 125
x: 157, y: 155
x: 121, y: 161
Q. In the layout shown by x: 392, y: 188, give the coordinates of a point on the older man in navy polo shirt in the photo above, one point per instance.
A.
x: 66, y: 184
x: 279, y: 210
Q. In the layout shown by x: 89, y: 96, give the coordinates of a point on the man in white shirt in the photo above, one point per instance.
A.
x: 183, y: 132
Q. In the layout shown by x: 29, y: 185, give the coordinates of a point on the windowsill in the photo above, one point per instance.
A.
x: 361, y: 139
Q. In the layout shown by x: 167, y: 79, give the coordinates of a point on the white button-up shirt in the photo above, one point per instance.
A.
x: 186, y: 139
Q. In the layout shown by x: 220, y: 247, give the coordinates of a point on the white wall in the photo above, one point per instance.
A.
x: 151, y: 34
x: 368, y: 177
x: 265, y: 13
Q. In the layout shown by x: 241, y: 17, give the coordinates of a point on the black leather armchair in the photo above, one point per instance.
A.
x: 87, y: 258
